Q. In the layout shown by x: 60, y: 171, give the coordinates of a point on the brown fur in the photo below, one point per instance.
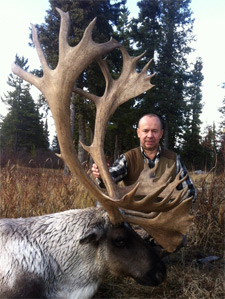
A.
x: 26, y: 286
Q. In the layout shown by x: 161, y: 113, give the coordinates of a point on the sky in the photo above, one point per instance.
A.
x: 209, y: 27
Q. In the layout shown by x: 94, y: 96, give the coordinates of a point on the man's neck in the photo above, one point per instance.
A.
x: 151, y: 153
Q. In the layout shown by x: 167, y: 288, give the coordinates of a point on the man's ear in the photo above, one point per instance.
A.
x: 161, y: 133
x: 138, y: 132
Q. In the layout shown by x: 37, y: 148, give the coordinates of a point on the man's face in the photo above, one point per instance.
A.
x: 149, y: 132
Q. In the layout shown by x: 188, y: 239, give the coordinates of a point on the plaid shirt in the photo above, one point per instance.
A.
x: 119, y: 170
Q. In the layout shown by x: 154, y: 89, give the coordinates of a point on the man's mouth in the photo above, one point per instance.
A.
x: 149, y: 141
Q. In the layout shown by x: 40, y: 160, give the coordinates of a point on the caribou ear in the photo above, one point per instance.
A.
x: 92, y: 235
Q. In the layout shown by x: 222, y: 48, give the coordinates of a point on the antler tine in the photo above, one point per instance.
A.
x: 40, y: 53
x: 72, y: 60
x: 172, y: 187
x: 167, y: 228
x: 151, y: 200
x: 163, y: 205
x: 148, y: 180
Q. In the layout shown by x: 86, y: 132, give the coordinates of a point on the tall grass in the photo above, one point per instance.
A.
x: 30, y: 191
x: 35, y: 191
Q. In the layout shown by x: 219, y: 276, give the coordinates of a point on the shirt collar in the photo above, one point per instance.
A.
x: 146, y: 157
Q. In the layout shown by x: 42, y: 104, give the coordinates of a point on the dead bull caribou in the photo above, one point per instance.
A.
x: 65, y: 255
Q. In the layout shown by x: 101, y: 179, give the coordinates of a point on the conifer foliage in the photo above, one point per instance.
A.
x: 22, y: 128
x: 164, y: 29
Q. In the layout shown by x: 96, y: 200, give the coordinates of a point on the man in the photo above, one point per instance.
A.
x: 129, y: 165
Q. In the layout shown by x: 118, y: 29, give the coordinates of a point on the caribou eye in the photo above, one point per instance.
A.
x: 120, y: 243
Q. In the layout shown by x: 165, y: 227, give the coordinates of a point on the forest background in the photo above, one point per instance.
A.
x: 164, y: 29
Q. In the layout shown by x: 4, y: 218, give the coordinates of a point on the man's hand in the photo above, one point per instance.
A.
x: 95, y: 171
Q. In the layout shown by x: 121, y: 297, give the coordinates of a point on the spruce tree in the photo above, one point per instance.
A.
x: 191, y: 148
x: 22, y: 127
x: 209, y: 147
x: 166, y: 30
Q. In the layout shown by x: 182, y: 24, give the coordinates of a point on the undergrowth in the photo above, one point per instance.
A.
x: 27, y: 192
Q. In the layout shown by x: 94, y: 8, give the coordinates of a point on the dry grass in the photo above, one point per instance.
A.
x: 34, y: 191
x: 29, y: 192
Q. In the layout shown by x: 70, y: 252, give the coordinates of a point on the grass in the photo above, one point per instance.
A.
x: 29, y: 192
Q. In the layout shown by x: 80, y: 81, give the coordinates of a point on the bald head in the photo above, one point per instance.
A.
x: 150, y: 115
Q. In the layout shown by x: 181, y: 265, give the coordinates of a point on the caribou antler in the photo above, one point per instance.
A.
x: 128, y: 85
x: 151, y: 211
x: 57, y: 86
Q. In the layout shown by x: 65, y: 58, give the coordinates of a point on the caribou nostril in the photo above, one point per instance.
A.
x: 160, y: 273
x: 157, y: 274
x: 160, y: 276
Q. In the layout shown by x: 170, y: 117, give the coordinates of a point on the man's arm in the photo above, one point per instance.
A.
x: 118, y: 171
x: 188, y: 182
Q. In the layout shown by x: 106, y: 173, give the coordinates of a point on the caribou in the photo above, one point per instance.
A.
x: 66, y: 254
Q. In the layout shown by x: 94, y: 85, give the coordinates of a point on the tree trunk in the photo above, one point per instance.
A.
x: 72, y: 115
x: 115, y: 154
x: 166, y: 134
x: 81, y: 130
x: 72, y: 124
x: 118, y: 145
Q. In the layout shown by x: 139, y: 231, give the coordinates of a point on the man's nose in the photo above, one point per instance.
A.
x: 149, y: 134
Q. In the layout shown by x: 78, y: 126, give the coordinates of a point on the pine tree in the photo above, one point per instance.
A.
x: 22, y: 127
x: 210, y: 148
x: 145, y: 29
x: 192, y: 149
x: 167, y: 32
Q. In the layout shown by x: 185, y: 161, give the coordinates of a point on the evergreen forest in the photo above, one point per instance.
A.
x: 164, y: 31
